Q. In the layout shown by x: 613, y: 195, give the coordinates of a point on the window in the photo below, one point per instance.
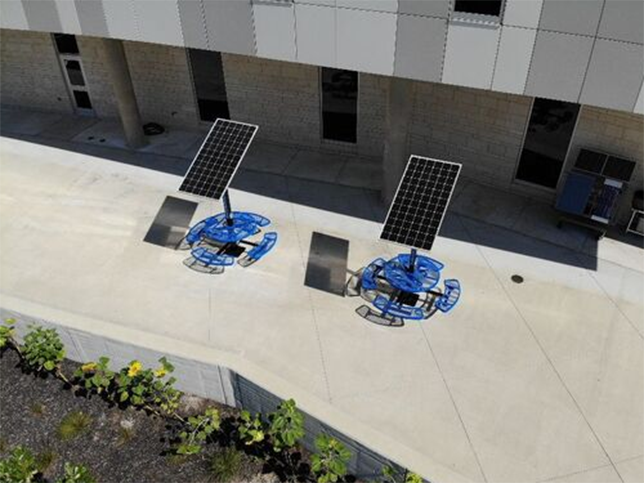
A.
x: 483, y: 7
x: 339, y: 104
x: 82, y: 99
x: 546, y: 142
x: 210, y: 85
x: 66, y: 44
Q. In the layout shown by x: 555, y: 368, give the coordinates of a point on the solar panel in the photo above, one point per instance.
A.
x: 218, y: 158
x: 418, y: 209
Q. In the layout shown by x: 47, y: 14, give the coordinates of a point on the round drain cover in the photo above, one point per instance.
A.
x: 517, y: 278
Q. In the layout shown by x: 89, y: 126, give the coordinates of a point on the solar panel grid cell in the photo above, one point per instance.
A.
x: 418, y: 209
x: 218, y: 158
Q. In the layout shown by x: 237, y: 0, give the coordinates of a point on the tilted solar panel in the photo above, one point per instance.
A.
x: 419, y: 206
x: 218, y: 158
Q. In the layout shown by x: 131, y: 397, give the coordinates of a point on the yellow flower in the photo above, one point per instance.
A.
x: 135, y: 368
x: 160, y: 372
x: 90, y: 366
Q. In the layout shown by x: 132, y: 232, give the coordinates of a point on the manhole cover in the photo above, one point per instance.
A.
x: 517, y: 278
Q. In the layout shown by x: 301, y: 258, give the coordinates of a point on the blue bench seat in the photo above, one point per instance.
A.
x: 263, y: 247
x: 368, y: 280
x: 210, y: 258
x: 450, y: 297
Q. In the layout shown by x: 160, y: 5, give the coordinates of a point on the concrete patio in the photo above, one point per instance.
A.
x: 528, y: 382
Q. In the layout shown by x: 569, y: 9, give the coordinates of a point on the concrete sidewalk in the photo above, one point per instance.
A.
x: 530, y: 382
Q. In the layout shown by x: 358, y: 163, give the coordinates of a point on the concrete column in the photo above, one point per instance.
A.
x: 119, y: 75
x: 400, y: 101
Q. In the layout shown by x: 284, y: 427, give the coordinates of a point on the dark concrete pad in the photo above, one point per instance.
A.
x: 171, y: 223
x: 327, y: 265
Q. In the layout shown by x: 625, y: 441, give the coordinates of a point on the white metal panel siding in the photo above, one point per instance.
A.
x: 513, y: 59
x: 230, y: 26
x: 92, y: 17
x: 639, y: 104
x: 381, y: 5
x: 366, y: 40
x: 193, y: 23
x: 42, y: 15
x: 469, y: 54
x: 328, y: 3
x: 159, y: 22
x: 315, y: 34
x: 12, y: 15
x: 274, y: 30
x: 558, y: 66
x: 121, y: 19
x: 606, y: 89
x: 571, y: 16
x: 429, y: 8
x: 420, y: 43
x: 68, y: 16
x: 623, y: 20
x: 522, y: 13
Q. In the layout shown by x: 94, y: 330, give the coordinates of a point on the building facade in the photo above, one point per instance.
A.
x: 513, y: 89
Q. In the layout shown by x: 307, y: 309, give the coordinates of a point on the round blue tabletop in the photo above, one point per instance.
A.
x: 423, y: 277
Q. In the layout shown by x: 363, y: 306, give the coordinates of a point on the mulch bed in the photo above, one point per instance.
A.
x: 120, y: 445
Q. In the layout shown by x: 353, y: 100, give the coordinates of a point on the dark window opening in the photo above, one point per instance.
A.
x: 546, y: 142
x: 66, y: 44
x: 82, y: 100
x: 74, y: 73
x: 339, y: 105
x: 210, y: 85
x: 483, y: 7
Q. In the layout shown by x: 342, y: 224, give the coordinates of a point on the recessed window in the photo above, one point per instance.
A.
x: 82, y: 100
x: 482, y: 7
x: 546, y: 142
x: 339, y: 104
x: 66, y: 44
x: 210, y: 85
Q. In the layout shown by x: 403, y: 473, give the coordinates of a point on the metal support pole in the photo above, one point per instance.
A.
x: 412, y: 260
x: 227, y: 210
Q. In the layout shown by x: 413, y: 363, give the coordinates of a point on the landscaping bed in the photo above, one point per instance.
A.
x: 116, y: 445
x: 63, y: 422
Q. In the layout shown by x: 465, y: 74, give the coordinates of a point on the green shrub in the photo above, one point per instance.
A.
x: 45, y: 459
x: 390, y: 476
x: 37, y: 409
x: 197, y: 431
x: 19, y: 467
x: 147, y: 387
x: 226, y: 464
x: 251, y: 428
x: 411, y: 477
x: 286, y: 426
x: 95, y: 376
x: 7, y: 331
x: 76, y: 474
x: 73, y: 425
x: 329, y: 464
x: 43, y: 349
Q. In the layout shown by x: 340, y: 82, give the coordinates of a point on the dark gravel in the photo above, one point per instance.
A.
x: 31, y: 409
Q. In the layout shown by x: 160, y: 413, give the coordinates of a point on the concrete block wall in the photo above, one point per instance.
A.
x: 163, y: 84
x: 481, y: 129
x: 100, y: 89
x: 284, y: 99
x: 160, y: 75
x: 30, y: 74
